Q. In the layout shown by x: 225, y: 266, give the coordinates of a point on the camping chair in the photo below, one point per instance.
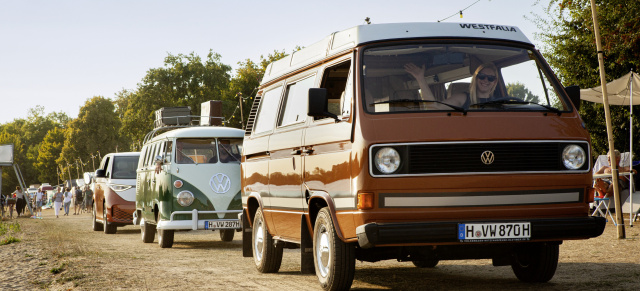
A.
x: 602, y: 203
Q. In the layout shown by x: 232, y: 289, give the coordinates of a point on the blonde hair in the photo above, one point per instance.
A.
x: 616, y: 154
x: 472, y: 86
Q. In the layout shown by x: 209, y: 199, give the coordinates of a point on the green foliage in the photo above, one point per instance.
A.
x: 570, y: 48
x: 518, y: 90
x: 7, y: 232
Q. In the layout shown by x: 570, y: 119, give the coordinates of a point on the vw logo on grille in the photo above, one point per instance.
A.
x: 487, y: 157
x: 220, y: 183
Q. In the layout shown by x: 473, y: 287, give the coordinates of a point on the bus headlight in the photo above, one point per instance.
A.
x: 387, y: 160
x: 573, y: 157
x: 185, y: 198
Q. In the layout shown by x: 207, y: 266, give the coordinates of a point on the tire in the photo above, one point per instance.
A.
x: 108, y: 227
x: 535, y: 263
x: 426, y: 263
x: 96, y: 226
x: 165, y: 238
x: 227, y: 234
x: 266, y: 255
x: 148, y: 232
x: 333, y: 259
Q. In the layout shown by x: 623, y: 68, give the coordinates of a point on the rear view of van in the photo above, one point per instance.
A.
x: 114, y: 193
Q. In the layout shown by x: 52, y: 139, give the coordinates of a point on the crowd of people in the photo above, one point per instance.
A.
x: 82, y: 199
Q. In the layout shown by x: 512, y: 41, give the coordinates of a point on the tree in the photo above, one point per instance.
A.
x: 96, y: 129
x: 518, y: 90
x: 185, y: 80
x: 50, y: 150
x: 569, y: 47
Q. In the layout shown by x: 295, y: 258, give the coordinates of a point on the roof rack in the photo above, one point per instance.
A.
x: 161, y: 126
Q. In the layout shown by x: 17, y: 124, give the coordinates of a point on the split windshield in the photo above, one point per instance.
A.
x: 456, y: 77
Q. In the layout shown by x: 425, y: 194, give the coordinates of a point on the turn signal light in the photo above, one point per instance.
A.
x: 365, y: 201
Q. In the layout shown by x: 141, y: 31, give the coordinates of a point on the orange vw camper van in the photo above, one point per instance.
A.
x: 418, y: 142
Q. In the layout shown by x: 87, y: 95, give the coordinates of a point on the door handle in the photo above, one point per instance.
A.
x: 296, y: 152
x: 307, y: 151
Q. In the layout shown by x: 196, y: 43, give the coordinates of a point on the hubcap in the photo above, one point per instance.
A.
x: 323, y: 251
x: 258, y: 240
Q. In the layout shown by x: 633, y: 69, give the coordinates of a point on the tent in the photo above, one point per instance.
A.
x: 620, y: 92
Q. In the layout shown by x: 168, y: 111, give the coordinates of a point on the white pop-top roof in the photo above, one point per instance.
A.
x: 201, y: 131
x: 341, y: 41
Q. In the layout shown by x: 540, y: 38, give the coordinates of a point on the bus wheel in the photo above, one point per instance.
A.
x: 426, y: 263
x: 96, y: 226
x: 165, y: 238
x: 334, y: 260
x: 227, y: 234
x: 148, y: 231
x: 536, y: 262
x: 266, y: 255
x: 108, y: 227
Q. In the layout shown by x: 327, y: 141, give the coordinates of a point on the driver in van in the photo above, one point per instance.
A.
x: 181, y: 157
x: 483, y: 84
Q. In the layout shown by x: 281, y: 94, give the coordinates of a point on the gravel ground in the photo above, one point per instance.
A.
x: 65, y: 254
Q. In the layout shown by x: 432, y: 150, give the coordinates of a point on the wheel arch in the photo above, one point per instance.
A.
x: 318, y: 200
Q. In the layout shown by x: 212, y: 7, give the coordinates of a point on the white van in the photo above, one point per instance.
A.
x: 189, y: 179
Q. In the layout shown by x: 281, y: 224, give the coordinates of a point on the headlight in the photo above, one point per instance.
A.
x: 185, y: 198
x: 177, y: 184
x: 118, y: 188
x: 387, y: 160
x: 573, y: 157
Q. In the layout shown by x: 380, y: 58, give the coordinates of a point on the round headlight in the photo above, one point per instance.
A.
x: 387, y: 160
x: 185, y: 198
x: 573, y: 157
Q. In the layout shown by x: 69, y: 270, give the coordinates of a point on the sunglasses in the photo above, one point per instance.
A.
x: 491, y: 78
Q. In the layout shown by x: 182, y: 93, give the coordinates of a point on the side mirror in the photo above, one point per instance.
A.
x: 87, y: 178
x: 574, y: 95
x: 318, y: 104
x: 101, y: 173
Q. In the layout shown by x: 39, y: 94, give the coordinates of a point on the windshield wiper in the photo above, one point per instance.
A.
x: 517, y: 101
x: 457, y: 108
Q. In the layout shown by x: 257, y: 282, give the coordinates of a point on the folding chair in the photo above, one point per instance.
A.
x: 602, y: 202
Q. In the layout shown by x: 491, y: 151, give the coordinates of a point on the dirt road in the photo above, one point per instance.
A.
x: 65, y: 254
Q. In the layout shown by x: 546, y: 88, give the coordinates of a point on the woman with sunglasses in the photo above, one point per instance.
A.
x: 483, y: 84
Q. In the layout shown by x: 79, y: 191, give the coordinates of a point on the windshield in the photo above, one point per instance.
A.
x: 456, y: 77
x: 125, y: 167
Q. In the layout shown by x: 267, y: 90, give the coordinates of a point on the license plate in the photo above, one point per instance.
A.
x: 479, y: 232
x: 222, y: 224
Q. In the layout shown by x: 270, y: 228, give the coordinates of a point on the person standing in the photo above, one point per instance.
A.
x: 67, y: 201
x: 57, y: 201
x: 88, y: 198
x: 2, y: 204
x: 21, y: 202
x: 39, y: 197
x: 77, y: 202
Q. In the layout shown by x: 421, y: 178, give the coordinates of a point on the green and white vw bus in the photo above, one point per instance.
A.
x: 188, y: 178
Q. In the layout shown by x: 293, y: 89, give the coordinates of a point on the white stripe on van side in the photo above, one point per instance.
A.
x: 444, y: 201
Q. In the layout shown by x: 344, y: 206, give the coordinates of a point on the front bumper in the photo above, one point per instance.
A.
x: 195, y: 223
x: 380, y: 234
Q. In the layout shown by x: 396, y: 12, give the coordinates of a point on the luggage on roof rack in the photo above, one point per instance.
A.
x: 173, y: 116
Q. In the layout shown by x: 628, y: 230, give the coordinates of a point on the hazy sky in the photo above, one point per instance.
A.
x: 58, y: 54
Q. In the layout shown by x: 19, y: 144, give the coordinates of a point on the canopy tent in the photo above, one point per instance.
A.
x: 620, y: 92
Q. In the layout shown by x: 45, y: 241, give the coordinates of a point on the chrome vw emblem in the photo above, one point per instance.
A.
x: 487, y: 157
x: 220, y: 183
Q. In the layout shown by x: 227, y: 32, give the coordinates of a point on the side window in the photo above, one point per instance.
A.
x: 229, y: 150
x: 105, y: 167
x: 295, y: 102
x: 143, y: 155
x: 152, y: 150
x: 168, y: 149
x: 336, y: 79
x: 268, y: 110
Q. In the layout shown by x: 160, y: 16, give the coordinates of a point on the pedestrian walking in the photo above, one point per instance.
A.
x: 3, y: 202
x: 21, y: 201
x: 77, y: 202
x: 67, y: 201
x: 39, y: 197
x: 57, y: 201
x: 88, y: 198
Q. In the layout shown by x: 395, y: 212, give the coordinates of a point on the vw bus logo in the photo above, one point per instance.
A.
x: 487, y: 157
x: 220, y: 183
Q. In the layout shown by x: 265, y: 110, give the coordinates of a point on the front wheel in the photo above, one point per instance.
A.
x: 148, y: 232
x: 334, y: 260
x: 227, y: 234
x: 108, y: 227
x: 426, y: 263
x: 266, y: 255
x: 165, y: 238
x: 535, y: 263
x: 96, y: 226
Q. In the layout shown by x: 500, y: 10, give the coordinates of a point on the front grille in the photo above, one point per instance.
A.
x: 466, y: 157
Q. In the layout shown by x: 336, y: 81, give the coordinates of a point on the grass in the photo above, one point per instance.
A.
x: 59, y: 269
x: 7, y: 232
x: 9, y: 240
